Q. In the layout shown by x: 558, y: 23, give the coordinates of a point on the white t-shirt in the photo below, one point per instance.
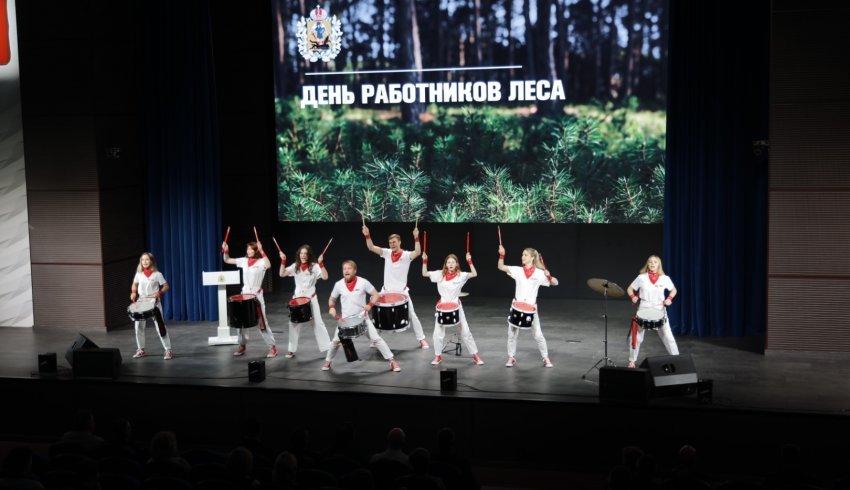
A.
x: 526, y: 287
x: 449, y: 290
x: 305, y: 281
x: 149, y: 286
x: 252, y: 276
x: 395, y: 273
x: 652, y: 295
x: 352, y: 302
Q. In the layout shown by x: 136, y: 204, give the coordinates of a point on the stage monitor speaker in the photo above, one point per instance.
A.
x: 97, y: 363
x: 47, y: 363
x: 624, y: 385
x: 448, y: 379
x: 81, y: 342
x: 671, y: 375
x: 256, y: 371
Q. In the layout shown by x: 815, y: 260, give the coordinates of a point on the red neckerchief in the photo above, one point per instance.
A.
x: 396, y: 255
x: 350, y: 285
x: 147, y: 272
x: 252, y: 262
x: 653, y: 277
x: 451, y: 275
x: 304, y: 266
x: 529, y: 271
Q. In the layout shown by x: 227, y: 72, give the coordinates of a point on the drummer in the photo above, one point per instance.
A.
x: 450, y: 281
x: 306, y: 271
x: 352, y: 291
x: 528, y: 279
x: 396, y: 266
x: 253, y: 266
x: 651, y: 284
x: 149, y: 285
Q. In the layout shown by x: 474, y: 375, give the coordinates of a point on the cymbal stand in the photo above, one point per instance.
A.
x: 605, y: 361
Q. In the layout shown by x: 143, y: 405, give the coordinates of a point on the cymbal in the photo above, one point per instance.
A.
x: 601, y: 285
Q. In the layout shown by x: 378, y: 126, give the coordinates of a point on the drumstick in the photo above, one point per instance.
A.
x: 499, y: 229
x: 226, y: 234
x: 255, y: 235
x: 467, y: 242
x: 276, y: 245
x: 542, y: 262
x: 362, y: 218
x: 425, y: 243
x: 417, y: 222
x: 328, y: 245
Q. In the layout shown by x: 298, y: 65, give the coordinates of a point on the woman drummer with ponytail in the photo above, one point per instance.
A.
x: 450, y: 281
x: 306, y: 270
x: 149, y: 285
x: 528, y: 278
x: 651, y: 284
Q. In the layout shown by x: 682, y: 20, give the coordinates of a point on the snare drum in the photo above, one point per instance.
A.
x: 650, y: 318
x: 392, y: 312
x: 351, y: 327
x: 522, y: 315
x: 300, y: 310
x: 141, y: 310
x: 448, y: 313
x: 242, y: 311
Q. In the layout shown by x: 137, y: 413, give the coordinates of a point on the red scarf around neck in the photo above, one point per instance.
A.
x: 451, y: 275
x: 147, y: 272
x: 350, y: 285
x: 653, y: 277
x: 304, y: 266
x: 529, y: 271
x: 396, y: 255
x: 252, y: 262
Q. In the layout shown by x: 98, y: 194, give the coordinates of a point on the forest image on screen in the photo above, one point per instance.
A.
x: 593, y: 154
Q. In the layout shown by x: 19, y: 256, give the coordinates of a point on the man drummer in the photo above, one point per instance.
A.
x: 396, y: 266
x: 352, y: 291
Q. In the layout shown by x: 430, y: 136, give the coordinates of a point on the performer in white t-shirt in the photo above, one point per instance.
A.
x: 352, y: 292
x: 149, y: 285
x: 396, y: 266
x: 253, y: 266
x: 651, y: 285
x: 450, y: 281
x: 306, y: 271
x: 528, y: 279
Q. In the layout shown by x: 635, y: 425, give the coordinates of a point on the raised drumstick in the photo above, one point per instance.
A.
x: 276, y: 245
x: 226, y: 234
x: 467, y: 242
x: 256, y: 236
x: 499, y: 229
x: 328, y: 245
x: 425, y: 243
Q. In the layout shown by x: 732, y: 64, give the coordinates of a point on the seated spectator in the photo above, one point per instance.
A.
x: 82, y: 431
x: 17, y: 470
x: 420, y: 458
x: 285, y: 470
x: 395, y: 448
x: 263, y: 454
x: 164, y: 459
x: 240, y: 464
x: 446, y: 455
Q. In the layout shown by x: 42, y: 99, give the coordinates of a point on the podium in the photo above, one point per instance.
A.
x: 221, y: 279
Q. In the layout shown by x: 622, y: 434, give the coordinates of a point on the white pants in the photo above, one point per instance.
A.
x: 159, y: 323
x: 465, y: 335
x: 322, y: 338
x: 667, y: 339
x: 265, y: 329
x: 380, y: 343
x: 513, y: 333
x: 414, y: 320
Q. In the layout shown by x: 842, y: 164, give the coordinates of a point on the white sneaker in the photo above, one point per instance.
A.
x: 511, y: 362
x: 168, y: 355
x: 139, y: 353
x: 326, y: 366
x: 547, y: 363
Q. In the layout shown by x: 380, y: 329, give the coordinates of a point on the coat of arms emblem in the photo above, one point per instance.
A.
x: 320, y: 36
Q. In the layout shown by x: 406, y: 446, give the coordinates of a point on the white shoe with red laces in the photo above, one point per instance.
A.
x: 547, y: 363
x: 139, y: 353
x: 326, y: 366
x: 631, y: 365
x: 289, y: 355
x: 168, y: 355
x: 437, y: 360
x: 511, y: 362
x: 272, y: 352
x: 394, y: 365
x: 477, y: 359
x: 424, y: 344
x: 240, y: 351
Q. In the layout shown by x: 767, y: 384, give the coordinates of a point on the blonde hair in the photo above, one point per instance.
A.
x: 535, y: 257
x: 139, y: 267
x: 353, y: 264
x: 394, y: 235
x: 446, y: 261
x: 645, y: 267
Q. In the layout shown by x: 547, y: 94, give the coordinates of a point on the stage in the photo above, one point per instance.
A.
x: 744, y: 377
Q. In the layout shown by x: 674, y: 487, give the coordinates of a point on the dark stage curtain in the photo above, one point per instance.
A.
x: 181, y: 152
x: 715, y: 210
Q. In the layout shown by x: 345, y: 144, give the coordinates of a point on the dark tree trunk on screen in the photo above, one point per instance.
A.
x: 410, y: 53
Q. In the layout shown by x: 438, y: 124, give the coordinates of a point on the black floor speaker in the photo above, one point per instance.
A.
x: 80, y: 342
x: 256, y: 371
x: 671, y: 375
x: 97, y: 363
x: 624, y: 385
x: 47, y: 363
x: 448, y: 379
